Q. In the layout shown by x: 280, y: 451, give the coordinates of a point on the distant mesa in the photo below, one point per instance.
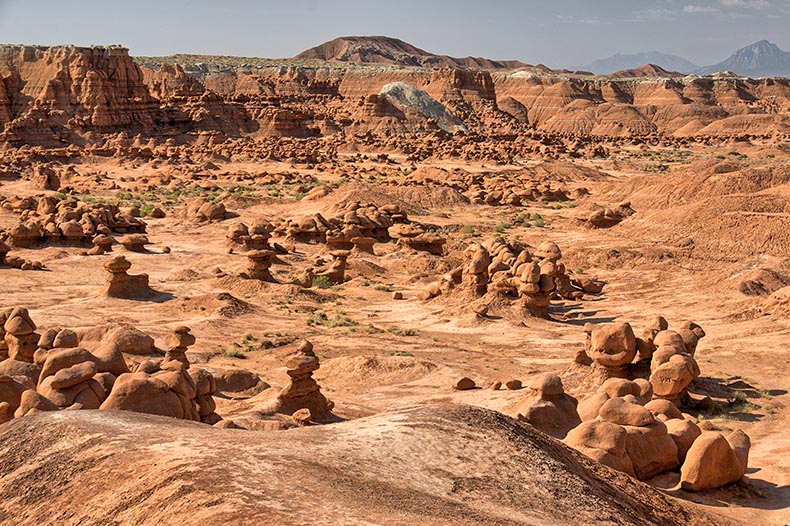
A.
x: 646, y: 71
x: 392, y: 51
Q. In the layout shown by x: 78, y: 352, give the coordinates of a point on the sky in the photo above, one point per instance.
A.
x: 557, y: 33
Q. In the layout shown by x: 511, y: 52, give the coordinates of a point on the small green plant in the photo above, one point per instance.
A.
x: 741, y: 401
x: 402, y: 353
x: 59, y: 196
x: 468, y: 229
x: 540, y: 223
x: 234, y: 353
x: 382, y: 287
x: 372, y: 329
x: 338, y: 319
x: 322, y: 282
x: 404, y: 332
x: 501, y: 228
x: 248, y: 337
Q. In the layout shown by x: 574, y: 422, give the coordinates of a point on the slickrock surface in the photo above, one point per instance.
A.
x: 403, y: 467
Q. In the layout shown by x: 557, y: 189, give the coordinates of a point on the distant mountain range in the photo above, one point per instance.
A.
x: 388, y: 50
x: 620, y: 62
x: 761, y: 59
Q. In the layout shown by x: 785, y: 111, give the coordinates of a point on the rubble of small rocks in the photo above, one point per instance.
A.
x: 9, y: 260
x: 343, y: 223
x: 202, y: 210
x: 514, y: 188
x: 48, y: 220
x: 602, y: 217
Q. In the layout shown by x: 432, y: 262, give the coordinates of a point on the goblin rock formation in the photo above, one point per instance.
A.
x: 498, y: 272
x: 119, y: 284
x: 632, y: 422
x: 550, y: 410
x: 95, y: 375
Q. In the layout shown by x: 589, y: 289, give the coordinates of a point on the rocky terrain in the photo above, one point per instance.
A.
x: 370, y: 285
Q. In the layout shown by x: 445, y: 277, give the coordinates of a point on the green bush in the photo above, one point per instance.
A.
x: 233, y: 353
x: 404, y: 332
x: 322, y: 282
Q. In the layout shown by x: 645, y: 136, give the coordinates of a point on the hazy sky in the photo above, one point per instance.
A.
x: 558, y: 33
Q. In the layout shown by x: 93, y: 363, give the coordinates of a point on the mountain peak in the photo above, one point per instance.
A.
x: 761, y: 59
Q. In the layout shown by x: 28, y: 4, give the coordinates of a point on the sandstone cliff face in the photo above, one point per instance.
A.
x: 56, y: 96
x: 48, y: 89
x: 685, y: 106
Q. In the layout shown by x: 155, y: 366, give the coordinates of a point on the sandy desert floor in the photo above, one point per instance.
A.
x: 390, y: 354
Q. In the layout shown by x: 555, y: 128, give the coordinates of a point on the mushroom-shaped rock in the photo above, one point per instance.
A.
x: 134, y: 242
x: 177, y: 344
x: 549, y: 250
x: 684, y: 433
x: 336, y: 271
x: 21, y: 340
x: 303, y: 391
x: 32, y: 402
x: 119, y: 284
x: 613, y: 345
x: 259, y: 263
x: 74, y: 385
x: 551, y: 410
x: 168, y: 391
x: 670, y: 379
x: 364, y: 245
x: 205, y: 387
x: 10, y: 396
x: 663, y: 408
